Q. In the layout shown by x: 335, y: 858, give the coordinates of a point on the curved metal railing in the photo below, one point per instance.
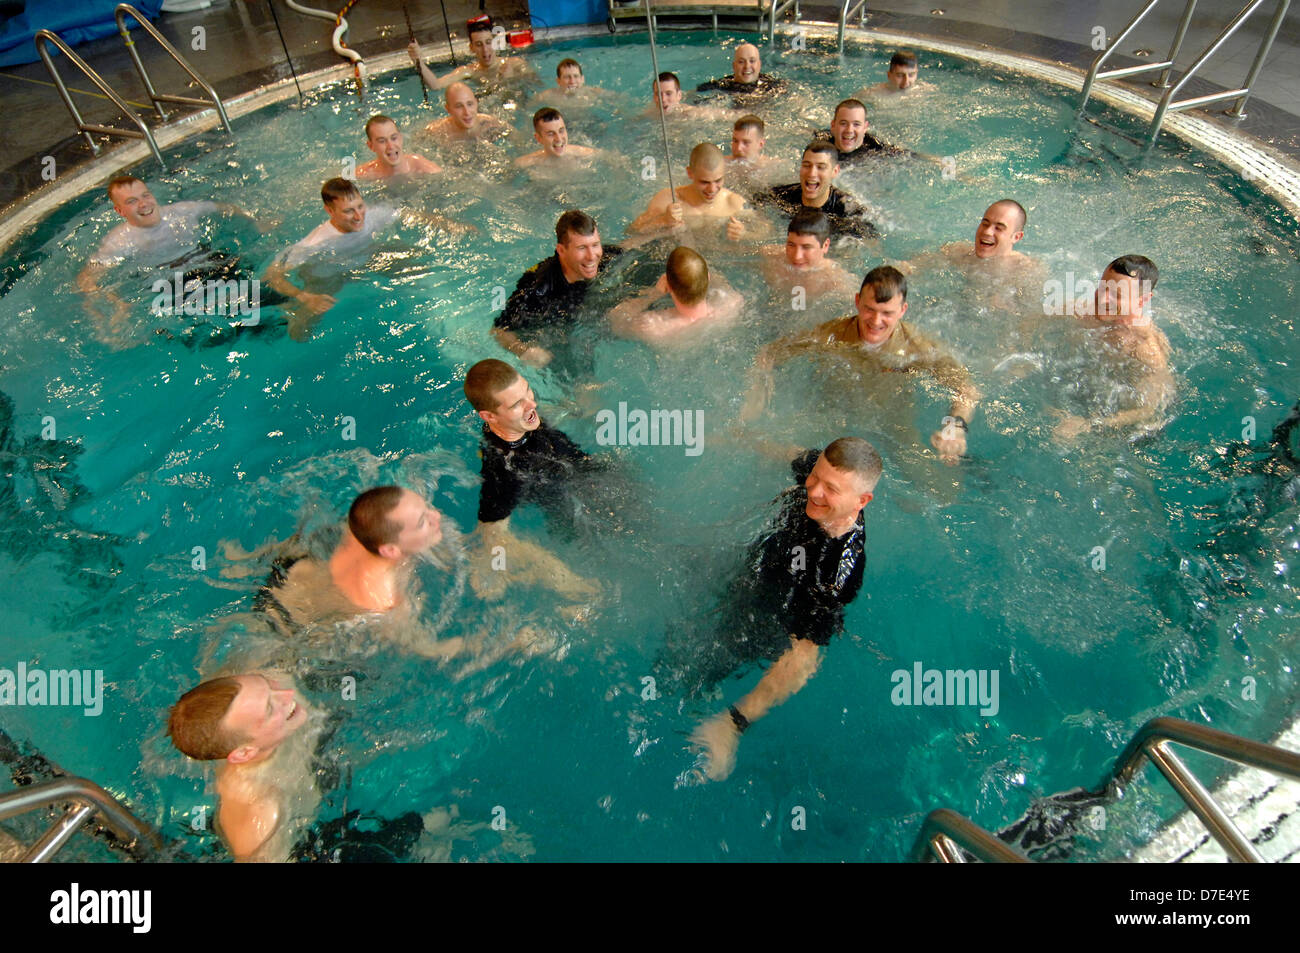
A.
x: 87, y: 798
x: 43, y: 39
x: 124, y: 10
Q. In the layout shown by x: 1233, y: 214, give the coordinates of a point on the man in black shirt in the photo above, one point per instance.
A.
x: 539, y: 315
x: 849, y: 133
x: 524, y: 461
x: 800, y: 578
x: 817, y: 170
x: 747, y: 83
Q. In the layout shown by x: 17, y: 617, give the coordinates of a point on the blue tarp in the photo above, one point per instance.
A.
x: 75, y: 21
x: 548, y: 13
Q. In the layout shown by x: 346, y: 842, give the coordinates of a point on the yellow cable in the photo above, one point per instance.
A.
x: 73, y: 89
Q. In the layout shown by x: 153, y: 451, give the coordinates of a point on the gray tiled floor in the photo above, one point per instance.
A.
x: 244, y: 51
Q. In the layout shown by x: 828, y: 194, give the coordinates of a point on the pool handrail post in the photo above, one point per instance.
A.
x: 1162, y: 81
x: 945, y: 834
x: 120, y: 13
x: 860, y: 8
x: 89, y: 798
x: 1111, y: 47
x: 1167, y: 101
x: 1237, y: 110
x: 1152, y: 743
x: 45, y: 37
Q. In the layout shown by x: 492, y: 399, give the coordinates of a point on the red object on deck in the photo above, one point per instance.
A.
x: 521, y: 37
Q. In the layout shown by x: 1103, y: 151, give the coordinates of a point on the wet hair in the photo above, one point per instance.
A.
x: 884, y: 281
x: 120, y: 182
x: 568, y: 62
x: 1139, y: 267
x: 688, y: 275
x: 903, y: 58
x: 667, y: 78
x: 378, y: 118
x: 478, y: 24
x: 824, y: 146
x: 368, y: 517
x: 811, y: 221
x: 855, y: 455
x: 194, y: 723
x: 1024, y: 217
x: 336, y: 188
x: 546, y: 114
x: 485, y: 380
x: 573, y: 222
x: 849, y: 104
x: 750, y: 122
x: 706, y: 156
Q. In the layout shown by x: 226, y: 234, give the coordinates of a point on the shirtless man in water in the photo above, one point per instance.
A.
x: 463, y: 122
x: 553, y: 137
x: 487, y: 66
x: 262, y: 733
x: 705, y: 199
x: 1132, y: 342
x: 384, y: 139
x: 694, y: 305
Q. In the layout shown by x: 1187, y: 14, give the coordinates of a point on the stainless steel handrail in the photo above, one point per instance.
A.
x: 88, y: 798
x: 1167, y: 101
x: 45, y: 37
x: 847, y: 9
x: 777, y: 9
x: 1166, y: 64
x: 945, y: 832
x: 121, y: 12
x: 1243, y: 93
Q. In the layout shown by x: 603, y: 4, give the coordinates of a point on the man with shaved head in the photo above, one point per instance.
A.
x: 463, y: 122
x: 705, y: 199
x: 695, y: 305
x: 1002, y: 275
x: 747, y: 84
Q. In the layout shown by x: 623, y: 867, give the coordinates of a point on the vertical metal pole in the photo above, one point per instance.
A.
x: 1278, y: 14
x: 663, y: 120
x: 1162, y: 82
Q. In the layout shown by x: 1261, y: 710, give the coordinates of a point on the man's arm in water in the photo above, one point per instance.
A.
x: 108, y: 324
x: 522, y: 561
x: 769, y: 358
x: 1155, y: 389
x: 720, y: 735
x: 310, y: 305
x: 631, y: 318
x: 950, y: 438
x: 662, y: 212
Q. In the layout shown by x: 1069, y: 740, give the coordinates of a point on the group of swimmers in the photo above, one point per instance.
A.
x: 798, y: 577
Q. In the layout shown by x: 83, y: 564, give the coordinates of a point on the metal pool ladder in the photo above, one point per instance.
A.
x: 945, y: 832
x: 142, y: 131
x: 86, y: 798
x: 1167, y: 101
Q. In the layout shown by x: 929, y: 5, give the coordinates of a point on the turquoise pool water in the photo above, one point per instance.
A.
x: 159, y: 448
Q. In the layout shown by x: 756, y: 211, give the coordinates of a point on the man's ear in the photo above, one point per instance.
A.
x: 390, y: 551
x: 487, y: 416
x: 243, y: 754
x: 867, y: 498
x: 826, y: 247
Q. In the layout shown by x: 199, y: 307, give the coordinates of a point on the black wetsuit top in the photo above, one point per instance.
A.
x: 871, y: 146
x: 541, y: 309
x: 746, y: 94
x: 801, y: 576
x: 847, y: 217
x: 533, y: 469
